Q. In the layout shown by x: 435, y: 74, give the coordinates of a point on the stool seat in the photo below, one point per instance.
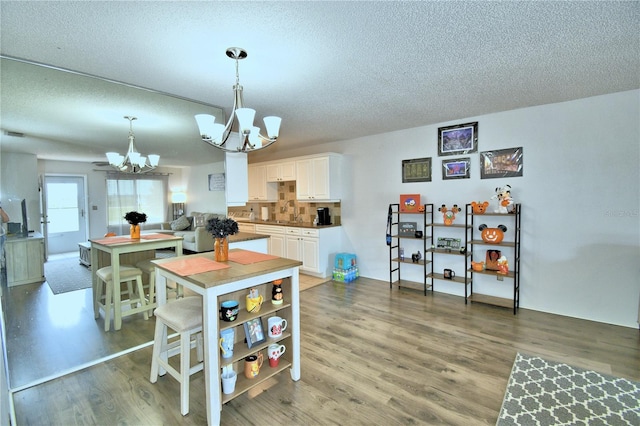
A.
x: 181, y: 315
x: 113, y: 295
x: 126, y: 271
x: 185, y: 317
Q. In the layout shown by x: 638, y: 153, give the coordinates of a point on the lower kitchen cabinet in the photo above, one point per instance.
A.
x: 25, y: 259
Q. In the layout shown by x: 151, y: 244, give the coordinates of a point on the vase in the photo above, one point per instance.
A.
x: 134, y: 231
x: 221, y: 249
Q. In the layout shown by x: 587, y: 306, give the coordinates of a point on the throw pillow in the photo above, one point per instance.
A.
x: 180, y: 224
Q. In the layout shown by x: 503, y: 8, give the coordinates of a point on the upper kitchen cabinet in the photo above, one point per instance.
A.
x: 259, y: 188
x: 319, y: 178
x: 281, y: 172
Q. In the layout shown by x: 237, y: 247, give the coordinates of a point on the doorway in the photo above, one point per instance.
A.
x: 65, y: 219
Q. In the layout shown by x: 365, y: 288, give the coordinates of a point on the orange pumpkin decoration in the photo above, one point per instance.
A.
x: 492, y: 235
x: 479, y: 208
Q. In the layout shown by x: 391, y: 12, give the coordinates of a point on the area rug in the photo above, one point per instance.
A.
x: 68, y: 274
x: 542, y: 392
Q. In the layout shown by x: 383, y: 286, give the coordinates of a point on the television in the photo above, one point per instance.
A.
x: 25, y: 226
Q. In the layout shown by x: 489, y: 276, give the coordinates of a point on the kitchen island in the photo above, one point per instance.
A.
x: 220, y: 281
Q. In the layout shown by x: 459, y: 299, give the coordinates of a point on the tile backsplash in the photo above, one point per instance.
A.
x: 287, y: 208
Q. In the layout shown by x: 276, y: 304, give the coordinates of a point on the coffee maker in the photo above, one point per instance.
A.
x: 323, y: 216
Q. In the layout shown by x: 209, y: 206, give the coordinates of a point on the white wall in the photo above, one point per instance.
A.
x: 580, y: 195
x: 199, y: 198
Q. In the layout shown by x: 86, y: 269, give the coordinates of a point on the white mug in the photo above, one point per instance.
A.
x: 276, y: 326
x: 275, y: 351
x: 229, y: 382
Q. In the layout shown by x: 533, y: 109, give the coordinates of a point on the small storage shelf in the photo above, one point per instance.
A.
x: 410, y: 244
x: 240, y: 347
x: 512, y: 246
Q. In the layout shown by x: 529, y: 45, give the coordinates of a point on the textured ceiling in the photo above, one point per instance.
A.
x: 332, y: 70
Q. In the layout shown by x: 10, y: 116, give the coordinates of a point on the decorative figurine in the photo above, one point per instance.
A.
x: 479, y: 208
x: 505, y: 202
x: 276, y: 293
x: 449, y: 215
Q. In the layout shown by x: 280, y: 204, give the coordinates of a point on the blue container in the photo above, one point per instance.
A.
x: 345, y: 261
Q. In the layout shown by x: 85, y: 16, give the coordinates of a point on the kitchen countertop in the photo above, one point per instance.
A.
x: 291, y: 224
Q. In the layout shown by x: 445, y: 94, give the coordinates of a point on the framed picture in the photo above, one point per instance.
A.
x: 254, y: 331
x: 416, y: 170
x: 407, y: 229
x: 491, y: 261
x: 216, y: 182
x: 458, y: 139
x: 456, y: 169
x: 501, y: 163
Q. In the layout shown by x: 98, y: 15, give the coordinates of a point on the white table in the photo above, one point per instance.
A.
x: 124, y: 245
x: 213, y: 286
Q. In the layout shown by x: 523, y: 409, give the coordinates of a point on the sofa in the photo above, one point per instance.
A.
x: 193, y: 230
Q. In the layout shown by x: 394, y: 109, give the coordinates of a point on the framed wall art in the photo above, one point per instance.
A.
x: 456, y: 168
x: 254, y: 332
x: 501, y: 163
x: 458, y: 139
x: 416, y: 170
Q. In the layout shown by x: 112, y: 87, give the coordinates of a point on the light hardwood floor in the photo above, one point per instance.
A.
x: 369, y: 356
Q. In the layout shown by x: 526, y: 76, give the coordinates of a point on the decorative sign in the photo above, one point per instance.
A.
x: 216, y: 182
x: 407, y: 229
x: 416, y: 170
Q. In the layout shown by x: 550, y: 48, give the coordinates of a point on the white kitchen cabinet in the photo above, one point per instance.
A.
x: 236, y: 181
x: 276, y: 240
x: 247, y: 227
x: 302, y: 244
x: 259, y: 188
x: 319, y: 178
x: 281, y: 172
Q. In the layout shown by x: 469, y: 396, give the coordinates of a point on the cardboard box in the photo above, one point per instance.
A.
x: 409, y: 203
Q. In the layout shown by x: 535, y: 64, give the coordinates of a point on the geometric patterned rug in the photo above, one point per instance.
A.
x: 542, y: 392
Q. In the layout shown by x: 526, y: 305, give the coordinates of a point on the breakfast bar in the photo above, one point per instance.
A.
x: 231, y: 280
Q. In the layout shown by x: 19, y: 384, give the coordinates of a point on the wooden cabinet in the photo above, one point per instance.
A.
x: 277, y: 238
x: 247, y: 227
x: 281, y: 172
x: 303, y: 245
x: 319, y: 178
x: 25, y: 259
x: 488, y: 285
x: 259, y: 188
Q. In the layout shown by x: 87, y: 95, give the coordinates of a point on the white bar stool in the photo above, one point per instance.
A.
x: 113, y: 294
x: 148, y: 267
x: 185, y: 317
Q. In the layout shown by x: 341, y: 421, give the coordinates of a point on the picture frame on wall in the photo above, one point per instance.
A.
x: 501, y: 163
x: 416, y: 170
x: 458, y: 139
x: 457, y: 168
x: 254, y: 332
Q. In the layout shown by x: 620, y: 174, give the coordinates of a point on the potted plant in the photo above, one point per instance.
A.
x: 221, y: 229
x: 135, y: 219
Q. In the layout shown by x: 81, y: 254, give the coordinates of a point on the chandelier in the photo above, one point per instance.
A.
x: 248, y: 138
x: 132, y: 161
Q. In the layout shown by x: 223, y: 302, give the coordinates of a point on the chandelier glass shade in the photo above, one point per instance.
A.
x: 132, y: 161
x: 248, y: 137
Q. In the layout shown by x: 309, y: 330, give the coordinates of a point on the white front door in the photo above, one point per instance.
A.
x: 65, y: 214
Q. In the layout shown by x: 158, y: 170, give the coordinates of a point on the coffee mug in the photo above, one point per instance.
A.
x: 252, y: 365
x: 449, y: 274
x: 229, y: 382
x: 229, y: 310
x: 276, y: 326
x: 226, y: 342
x: 275, y: 352
x: 254, y: 303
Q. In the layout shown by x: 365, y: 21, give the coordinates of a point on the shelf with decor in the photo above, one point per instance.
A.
x: 496, y: 233
x: 403, y: 242
x: 455, y: 248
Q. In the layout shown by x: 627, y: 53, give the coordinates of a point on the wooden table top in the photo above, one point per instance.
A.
x: 235, y: 272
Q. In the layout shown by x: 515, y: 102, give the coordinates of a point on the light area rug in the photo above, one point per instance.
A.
x: 542, y: 392
x: 67, y: 274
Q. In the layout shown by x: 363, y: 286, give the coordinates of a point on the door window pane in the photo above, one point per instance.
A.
x: 62, y: 207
